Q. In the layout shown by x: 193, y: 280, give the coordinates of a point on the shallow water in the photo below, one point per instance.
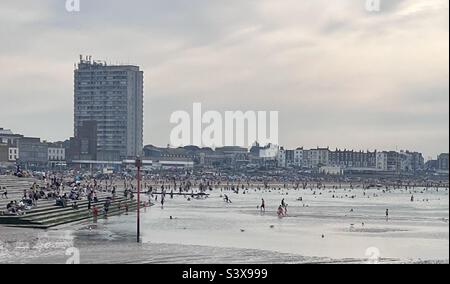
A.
x: 212, y: 231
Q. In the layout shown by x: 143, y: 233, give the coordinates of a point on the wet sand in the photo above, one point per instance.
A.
x: 212, y: 231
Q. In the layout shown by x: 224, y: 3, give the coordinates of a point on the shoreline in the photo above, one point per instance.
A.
x: 115, y: 252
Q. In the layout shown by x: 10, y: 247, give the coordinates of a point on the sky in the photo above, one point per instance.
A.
x: 339, y: 75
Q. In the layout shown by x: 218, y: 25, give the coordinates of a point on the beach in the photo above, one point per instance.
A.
x: 327, y: 226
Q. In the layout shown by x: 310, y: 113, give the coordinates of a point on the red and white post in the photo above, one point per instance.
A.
x: 138, y: 177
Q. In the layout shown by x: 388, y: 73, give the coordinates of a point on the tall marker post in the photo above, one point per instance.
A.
x: 138, y: 177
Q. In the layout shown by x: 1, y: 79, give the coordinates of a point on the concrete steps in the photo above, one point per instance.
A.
x: 15, y: 187
x: 47, y: 214
x: 52, y: 208
x: 50, y: 219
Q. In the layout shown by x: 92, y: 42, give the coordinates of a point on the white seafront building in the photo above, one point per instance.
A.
x: 13, y: 154
x: 298, y: 157
x: 382, y: 161
x: 56, y: 154
x: 348, y: 160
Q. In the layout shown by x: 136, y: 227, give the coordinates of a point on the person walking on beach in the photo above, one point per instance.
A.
x: 106, y: 208
x: 95, y: 213
x: 280, y: 212
x: 162, y: 201
x: 387, y: 215
x: 263, y: 205
x: 284, y: 206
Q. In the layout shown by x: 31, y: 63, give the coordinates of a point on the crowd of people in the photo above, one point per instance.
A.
x: 64, y: 190
x: 68, y: 189
x: 18, y: 208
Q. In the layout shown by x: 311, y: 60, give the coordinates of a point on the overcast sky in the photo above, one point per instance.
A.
x: 339, y: 75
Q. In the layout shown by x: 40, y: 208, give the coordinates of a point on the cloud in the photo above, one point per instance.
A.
x: 329, y: 67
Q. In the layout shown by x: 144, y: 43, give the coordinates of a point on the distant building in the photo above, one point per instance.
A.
x: 269, y: 152
x: 9, y: 138
x: 411, y: 161
x: 84, y: 145
x: 418, y: 161
x: 307, y: 159
x: 442, y: 162
x: 298, y: 158
x: 382, y: 161
x: 183, y: 157
x: 234, y: 156
x: 289, y: 158
x: 315, y: 158
x: 353, y: 159
x: 281, y: 158
x: 319, y: 157
x: 33, y: 153
x: 13, y: 154
x: 255, y: 149
x: 157, y: 154
x: 432, y: 165
x: 393, y: 161
x: 204, y: 157
x: 56, y: 154
x: 439, y: 165
x: 112, y: 97
x: 211, y: 159
x: 4, y: 158
x: 232, y: 150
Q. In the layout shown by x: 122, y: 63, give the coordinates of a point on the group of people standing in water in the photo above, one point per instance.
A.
x: 282, y: 209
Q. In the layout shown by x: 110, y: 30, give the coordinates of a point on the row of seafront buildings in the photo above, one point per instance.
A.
x: 321, y: 160
x: 335, y: 161
x: 33, y: 153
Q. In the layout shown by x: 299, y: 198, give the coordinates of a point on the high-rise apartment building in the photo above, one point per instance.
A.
x: 111, y: 96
